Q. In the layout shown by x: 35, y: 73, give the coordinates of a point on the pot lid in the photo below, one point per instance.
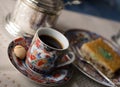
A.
x: 49, y: 5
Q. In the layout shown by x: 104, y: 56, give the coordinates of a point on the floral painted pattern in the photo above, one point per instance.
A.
x: 56, y: 77
x: 40, y: 57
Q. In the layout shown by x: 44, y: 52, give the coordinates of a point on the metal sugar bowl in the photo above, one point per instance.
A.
x: 29, y: 15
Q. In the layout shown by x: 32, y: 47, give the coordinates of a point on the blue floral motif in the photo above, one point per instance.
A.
x: 38, y: 55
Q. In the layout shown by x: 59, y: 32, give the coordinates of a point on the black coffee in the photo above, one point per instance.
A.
x: 50, y: 41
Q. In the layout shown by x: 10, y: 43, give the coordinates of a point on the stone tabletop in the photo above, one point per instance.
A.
x: 10, y: 77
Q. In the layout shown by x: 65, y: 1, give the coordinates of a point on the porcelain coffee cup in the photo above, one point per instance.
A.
x: 47, y: 47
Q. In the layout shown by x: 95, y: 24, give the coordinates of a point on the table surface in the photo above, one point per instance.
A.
x: 11, y: 77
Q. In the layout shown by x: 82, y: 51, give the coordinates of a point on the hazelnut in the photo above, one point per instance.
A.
x: 20, y: 51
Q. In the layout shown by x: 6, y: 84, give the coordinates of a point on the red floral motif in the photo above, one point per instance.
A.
x: 36, y: 79
x: 56, y: 75
x: 47, y: 56
x: 41, y: 62
x: 32, y: 57
x: 37, y: 43
x: 19, y: 39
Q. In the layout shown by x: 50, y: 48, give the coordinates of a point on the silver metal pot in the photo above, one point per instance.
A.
x: 29, y: 15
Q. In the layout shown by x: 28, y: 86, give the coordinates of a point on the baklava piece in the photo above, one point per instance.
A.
x: 101, y: 55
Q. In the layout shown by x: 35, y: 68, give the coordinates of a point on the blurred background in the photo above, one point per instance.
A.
x: 108, y: 9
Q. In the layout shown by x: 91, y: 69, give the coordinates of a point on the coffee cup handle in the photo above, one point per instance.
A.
x: 71, y: 58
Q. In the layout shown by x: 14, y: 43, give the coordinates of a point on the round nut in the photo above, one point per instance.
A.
x: 20, y: 51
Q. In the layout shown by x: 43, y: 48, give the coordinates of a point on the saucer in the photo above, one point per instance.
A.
x: 57, y: 77
x: 77, y: 37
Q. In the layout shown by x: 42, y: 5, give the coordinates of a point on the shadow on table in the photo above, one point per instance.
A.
x: 108, y: 9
